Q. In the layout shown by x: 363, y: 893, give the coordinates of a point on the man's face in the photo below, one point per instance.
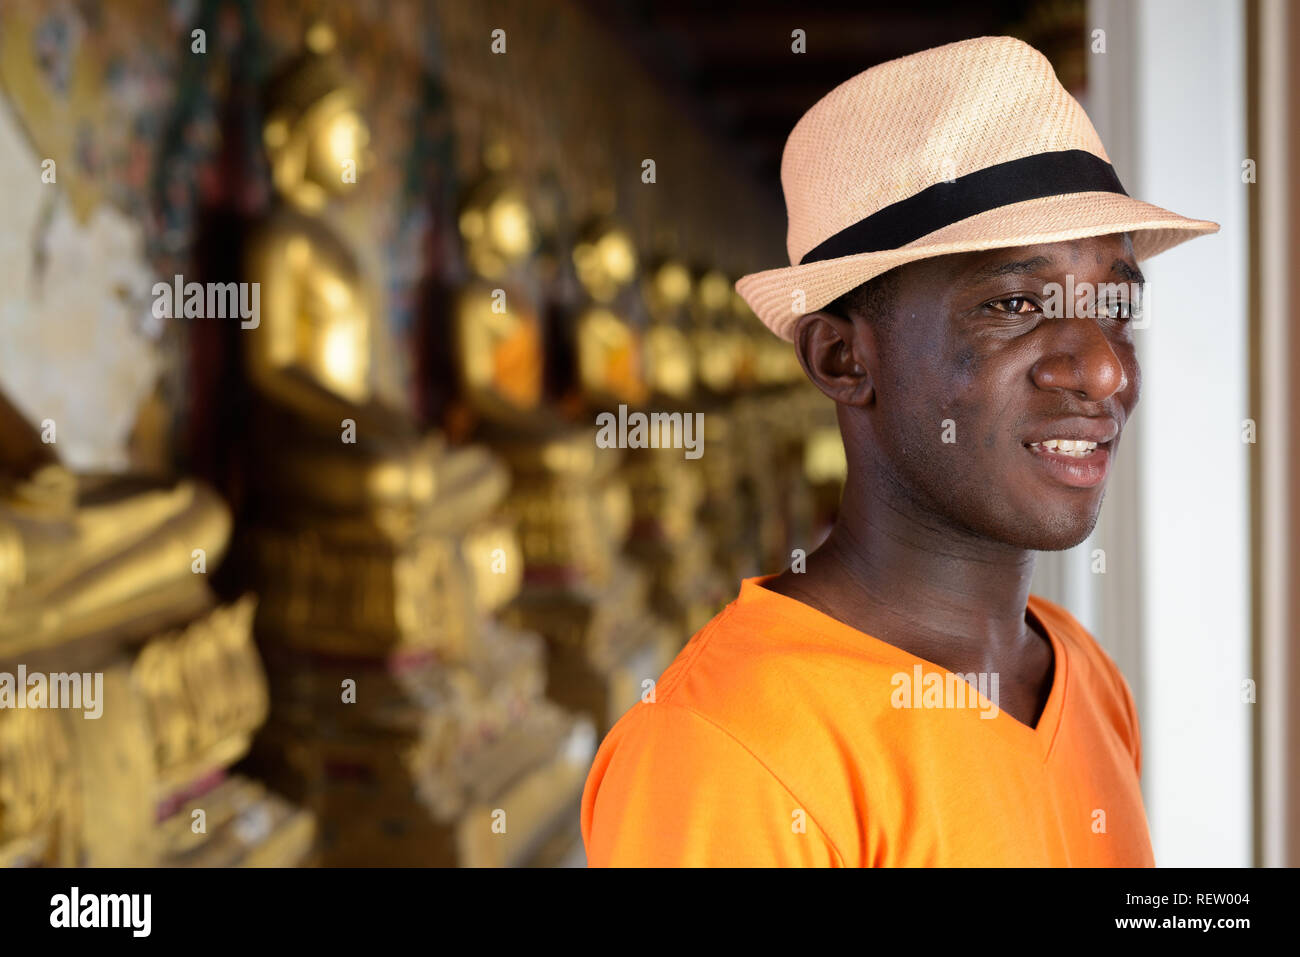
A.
x: 978, y: 372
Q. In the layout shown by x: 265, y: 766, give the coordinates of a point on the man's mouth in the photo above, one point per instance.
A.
x: 1080, y: 463
x: 1077, y: 448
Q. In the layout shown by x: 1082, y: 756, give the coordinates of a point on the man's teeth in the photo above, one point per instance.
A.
x: 1076, y: 447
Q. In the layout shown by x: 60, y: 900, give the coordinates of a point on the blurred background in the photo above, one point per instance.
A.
x: 309, y: 311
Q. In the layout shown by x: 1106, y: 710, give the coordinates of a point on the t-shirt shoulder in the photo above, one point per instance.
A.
x: 752, y: 660
x: 1085, y: 651
x: 1094, y: 668
x: 717, y: 725
x: 671, y: 788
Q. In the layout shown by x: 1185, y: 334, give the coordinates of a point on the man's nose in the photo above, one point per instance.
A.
x: 1080, y: 359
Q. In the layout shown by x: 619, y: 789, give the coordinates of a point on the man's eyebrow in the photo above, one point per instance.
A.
x: 1018, y: 267
x: 1131, y: 273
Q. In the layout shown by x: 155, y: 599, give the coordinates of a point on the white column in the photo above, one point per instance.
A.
x: 1190, y: 99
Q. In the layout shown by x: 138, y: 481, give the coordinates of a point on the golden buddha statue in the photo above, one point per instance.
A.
x: 496, y: 328
x: 569, y: 499
x: 611, y: 362
x: 667, y: 288
x: 668, y: 540
x: 378, y: 552
x: 724, y: 360
x: 309, y: 358
x: 342, y: 464
x: 83, y: 554
x: 100, y: 573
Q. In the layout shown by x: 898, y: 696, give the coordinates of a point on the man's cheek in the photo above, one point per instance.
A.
x: 959, y: 420
x: 1134, y: 392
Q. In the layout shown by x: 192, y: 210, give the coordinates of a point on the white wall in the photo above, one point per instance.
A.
x: 1189, y: 99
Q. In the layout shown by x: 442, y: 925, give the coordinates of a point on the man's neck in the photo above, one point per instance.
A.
x: 912, y: 580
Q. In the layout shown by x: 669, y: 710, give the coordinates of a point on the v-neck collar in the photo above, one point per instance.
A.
x: 1042, y: 736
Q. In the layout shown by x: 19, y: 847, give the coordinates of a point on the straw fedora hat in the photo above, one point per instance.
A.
x: 969, y: 146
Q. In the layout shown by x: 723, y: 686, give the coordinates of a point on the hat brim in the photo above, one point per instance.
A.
x: 773, y: 294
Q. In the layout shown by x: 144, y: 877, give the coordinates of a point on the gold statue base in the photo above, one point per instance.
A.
x: 602, y: 645
x: 146, y: 783
x: 446, y: 766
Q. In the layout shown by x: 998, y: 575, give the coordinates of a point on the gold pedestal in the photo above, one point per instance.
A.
x: 603, y: 645
x: 147, y: 783
x: 413, y: 724
x: 574, y: 511
x: 668, y: 540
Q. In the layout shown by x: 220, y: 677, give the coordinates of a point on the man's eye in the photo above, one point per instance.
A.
x: 1019, y: 304
x: 1115, y: 309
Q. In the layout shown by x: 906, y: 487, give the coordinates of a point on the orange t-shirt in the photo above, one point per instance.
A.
x: 780, y: 736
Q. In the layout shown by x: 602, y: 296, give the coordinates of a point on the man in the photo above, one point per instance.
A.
x: 904, y: 701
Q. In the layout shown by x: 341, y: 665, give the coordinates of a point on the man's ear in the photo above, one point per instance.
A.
x: 834, y: 354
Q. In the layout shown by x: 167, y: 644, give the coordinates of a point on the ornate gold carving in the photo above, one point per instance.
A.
x: 205, y: 693
x: 35, y: 784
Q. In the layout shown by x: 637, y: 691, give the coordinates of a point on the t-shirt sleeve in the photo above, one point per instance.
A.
x: 1119, y: 684
x: 1136, y: 733
x: 670, y: 788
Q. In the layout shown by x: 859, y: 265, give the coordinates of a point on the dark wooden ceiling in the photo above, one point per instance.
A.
x: 730, y: 65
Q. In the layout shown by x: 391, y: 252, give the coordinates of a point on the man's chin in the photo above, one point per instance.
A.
x: 1058, y: 534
